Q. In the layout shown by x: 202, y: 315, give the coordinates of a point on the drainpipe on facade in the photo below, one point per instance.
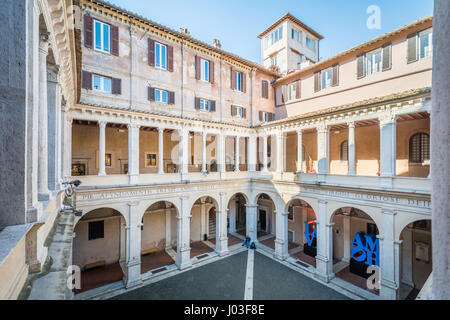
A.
x: 182, y: 80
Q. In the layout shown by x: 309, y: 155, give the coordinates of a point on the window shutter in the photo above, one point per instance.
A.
x: 283, y: 94
x: 261, y: 117
x: 297, y: 90
x: 211, y: 71
x: 335, y: 75
x: 271, y: 116
x: 116, y: 86
x: 317, y: 81
x: 197, y: 68
x: 88, y: 31
x: 233, y: 111
x: 360, y: 66
x: 232, y: 78
x: 265, y: 89
x: 244, y: 82
x: 387, y: 57
x: 245, y: 113
x: 115, y: 40
x: 151, y: 52
x: 87, y: 80
x: 170, y: 58
x: 412, y: 48
x: 213, y: 106
x: 171, y: 97
x: 151, y: 94
x: 197, y: 103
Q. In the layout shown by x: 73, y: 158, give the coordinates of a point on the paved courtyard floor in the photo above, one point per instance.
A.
x: 248, y: 274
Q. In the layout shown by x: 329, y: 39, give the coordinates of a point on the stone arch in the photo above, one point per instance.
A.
x: 406, y: 219
x: 310, y: 201
x: 193, y: 199
x: 374, y: 213
x: 276, y: 199
x: 145, y: 205
x: 121, y: 208
x: 231, y: 195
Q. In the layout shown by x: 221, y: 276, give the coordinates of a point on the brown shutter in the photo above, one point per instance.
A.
x: 171, y: 97
x: 283, y: 94
x: 412, y: 48
x: 264, y: 89
x: 261, y: 116
x: 317, y: 81
x: 387, y: 57
x: 361, y: 66
x: 116, y: 86
x: 233, y: 110
x: 212, y: 105
x: 245, y: 113
x: 211, y: 71
x: 271, y: 116
x: 197, y: 68
x: 151, y: 52
x: 232, y: 79
x: 151, y: 94
x: 244, y: 82
x: 170, y: 58
x: 115, y: 40
x: 86, y: 80
x: 197, y: 103
x: 335, y: 75
x: 297, y: 90
x: 88, y: 31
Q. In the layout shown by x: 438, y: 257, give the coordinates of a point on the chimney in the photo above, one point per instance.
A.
x: 185, y: 31
x: 216, y: 44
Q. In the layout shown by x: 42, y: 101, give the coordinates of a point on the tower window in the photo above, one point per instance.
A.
x: 419, y: 148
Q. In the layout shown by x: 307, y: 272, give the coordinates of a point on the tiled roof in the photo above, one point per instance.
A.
x: 289, y: 16
x: 358, y: 104
x: 183, y: 36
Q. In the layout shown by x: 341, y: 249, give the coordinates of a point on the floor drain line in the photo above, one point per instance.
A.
x: 159, y: 270
x: 202, y: 256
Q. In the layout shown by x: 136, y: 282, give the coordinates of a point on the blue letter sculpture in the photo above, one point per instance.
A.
x: 368, y: 247
x: 310, y: 236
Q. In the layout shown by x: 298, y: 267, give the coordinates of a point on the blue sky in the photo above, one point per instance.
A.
x: 236, y: 23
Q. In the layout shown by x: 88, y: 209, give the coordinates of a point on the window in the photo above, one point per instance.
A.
x: 275, y: 60
x: 102, y: 84
x: 204, y: 105
x: 291, y: 213
x: 160, y: 56
x: 311, y: 43
x: 374, y: 62
x: 204, y: 70
x: 425, y: 44
x: 290, y: 236
x: 274, y: 37
x: 265, y: 116
x: 102, y: 36
x: 296, y: 35
x: 108, y: 159
x: 419, y: 148
x: 344, y: 151
x: 150, y: 160
x: 326, y: 77
x: 161, y: 96
x: 96, y: 230
x: 238, y: 81
x: 292, y: 91
x: 239, y: 112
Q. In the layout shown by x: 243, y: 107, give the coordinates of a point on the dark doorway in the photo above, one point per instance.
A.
x: 262, y: 220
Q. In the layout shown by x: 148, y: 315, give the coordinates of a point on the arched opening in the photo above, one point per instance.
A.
x: 416, y: 263
x: 355, y: 247
x: 158, y: 237
x: 99, y: 248
x: 266, y: 221
x: 203, y: 227
x: 237, y: 219
x: 302, y: 232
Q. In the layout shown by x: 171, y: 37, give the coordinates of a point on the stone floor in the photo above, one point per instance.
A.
x: 98, y: 277
x: 232, y: 240
x: 271, y: 243
x: 155, y: 261
x: 356, y: 280
x: 226, y: 280
x: 198, y: 248
x: 305, y: 258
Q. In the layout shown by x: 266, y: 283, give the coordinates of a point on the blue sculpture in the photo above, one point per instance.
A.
x: 310, y: 236
x: 366, y: 247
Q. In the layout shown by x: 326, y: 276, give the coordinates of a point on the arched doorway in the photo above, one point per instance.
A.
x: 355, y: 247
x: 416, y: 262
x: 237, y: 219
x: 158, y: 237
x: 203, y: 227
x: 302, y: 232
x: 266, y: 221
x: 99, y: 248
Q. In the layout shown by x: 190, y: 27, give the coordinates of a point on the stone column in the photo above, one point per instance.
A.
x: 168, y: 226
x: 184, y: 236
x: 184, y: 153
x: 221, y: 154
x: 203, y: 218
x: 279, y: 152
x: 232, y: 217
x: 281, y: 241
x: 251, y: 154
x: 322, y: 149
x: 389, y: 260
x: 221, y: 229
x: 102, y: 149
x: 160, y: 150
x: 264, y: 151
x: 237, y: 155
x: 407, y: 257
x: 299, y: 151
x: 123, y: 242
x: 204, y: 136
x: 324, y: 258
x: 133, y: 153
x: 133, y: 273
x: 67, y: 147
x: 388, y: 146
x: 54, y: 118
x: 440, y: 153
x: 351, y: 149
x: 252, y: 222
x: 44, y: 193
x: 347, y: 238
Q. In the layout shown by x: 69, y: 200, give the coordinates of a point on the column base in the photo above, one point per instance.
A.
x: 32, y: 214
x: 133, y: 275
x: 134, y: 178
x: 44, y: 196
x: 324, y: 277
x: 388, y: 290
x: 386, y: 182
x: 184, y: 259
x: 102, y: 174
x: 280, y: 250
x: 34, y: 266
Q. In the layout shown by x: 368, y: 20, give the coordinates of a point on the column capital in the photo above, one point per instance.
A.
x: 386, y: 119
x: 133, y: 203
x: 161, y: 130
x: 102, y: 124
x: 300, y: 132
x: 323, y: 201
x: 44, y: 42
x: 351, y: 124
x: 133, y: 126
